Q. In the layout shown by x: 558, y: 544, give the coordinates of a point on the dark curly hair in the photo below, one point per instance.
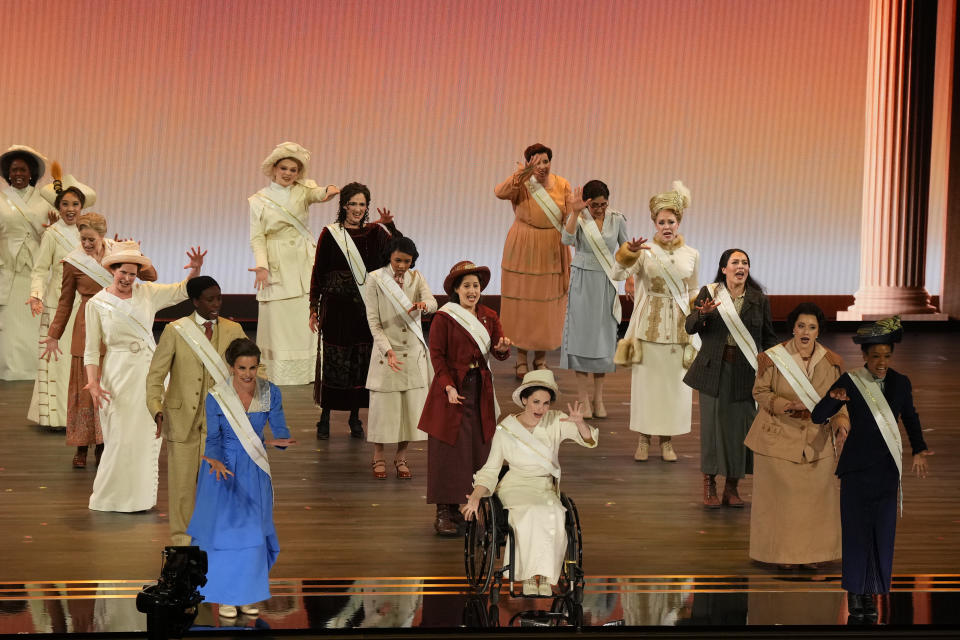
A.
x: 75, y: 191
x: 347, y: 192
x: 809, y: 309
x: 536, y: 148
x: 526, y: 393
x: 240, y: 348
x: 403, y: 245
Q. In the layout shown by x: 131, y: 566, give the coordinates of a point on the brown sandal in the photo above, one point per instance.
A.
x: 403, y: 471
x: 379, y: 469
x: 521, y: 370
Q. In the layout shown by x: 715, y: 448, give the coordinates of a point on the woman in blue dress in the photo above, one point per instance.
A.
x: 593, y: 306
x: 233, y: 517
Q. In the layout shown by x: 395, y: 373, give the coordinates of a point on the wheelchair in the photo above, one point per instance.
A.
x: 485, y: 559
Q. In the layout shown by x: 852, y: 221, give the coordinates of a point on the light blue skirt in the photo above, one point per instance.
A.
x: 590, y: 330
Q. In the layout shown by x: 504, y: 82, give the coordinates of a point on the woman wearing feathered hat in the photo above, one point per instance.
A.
x: 656, y: 345
x: 348, y: 249
x: 23, y: 212
x: 120, y: 318
x: 283, y: 248
x: 461, y: 411
x: 870, y: 465
x: 529, y: 442
x: 48, y: 406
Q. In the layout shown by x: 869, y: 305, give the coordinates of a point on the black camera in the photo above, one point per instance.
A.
x: 171, y: 604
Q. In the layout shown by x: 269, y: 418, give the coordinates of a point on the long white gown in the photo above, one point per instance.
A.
x: 529, y: 493
x: 48, y: 405
x: 128, y: 473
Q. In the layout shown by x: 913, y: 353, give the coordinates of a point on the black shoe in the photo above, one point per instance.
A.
x: 855, y: 604
x: 356, y: 428
x: 869, y: 608
x: 323, y: 426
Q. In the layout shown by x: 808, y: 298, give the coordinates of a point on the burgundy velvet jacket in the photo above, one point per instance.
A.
x: 452, y: 351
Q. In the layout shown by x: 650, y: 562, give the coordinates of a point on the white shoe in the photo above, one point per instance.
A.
x: 228, y: 611
x: 530, y: 587
x: 643, y: 449
x: 249, y: 610
x: 667, y: 453
x: 545, y: 588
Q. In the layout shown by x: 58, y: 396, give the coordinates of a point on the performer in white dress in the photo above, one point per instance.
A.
x: 121, y: 317
x: 400, y: 373
x: 23, y: 212
x: 655, y: 346
x: 284, y: 248
x: 529, y: 442
x: 48, y: 405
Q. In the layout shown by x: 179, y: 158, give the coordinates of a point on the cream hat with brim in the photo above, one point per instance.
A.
x: 48, y: 193
x: 127, y: 252
x: 287, y: 150
x: 6, y: 159
x: 537, y: 378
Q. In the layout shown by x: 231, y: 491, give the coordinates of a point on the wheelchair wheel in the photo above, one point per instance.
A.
x: 571, y: 575
x: 480, y: 547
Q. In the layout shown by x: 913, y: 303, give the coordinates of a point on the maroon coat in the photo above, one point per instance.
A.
x: 452, y: 351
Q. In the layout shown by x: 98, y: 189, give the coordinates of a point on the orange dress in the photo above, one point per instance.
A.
x: 535, y: 272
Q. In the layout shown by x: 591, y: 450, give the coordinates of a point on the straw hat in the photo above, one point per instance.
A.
x: 127, y: 252
x: 287, y: 150
x: 536, y: 378
x: 886, y: 331
x: 466, y: 268
x: 39, y: 163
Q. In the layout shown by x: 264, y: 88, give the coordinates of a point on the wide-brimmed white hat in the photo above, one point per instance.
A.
x: 49, y: 191
x: 127, y: 252
x: 536, y: 378
x: 21, y: 149
x: 287, y: 150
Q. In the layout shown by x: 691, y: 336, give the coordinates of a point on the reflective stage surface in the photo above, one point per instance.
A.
x: 926, y: 601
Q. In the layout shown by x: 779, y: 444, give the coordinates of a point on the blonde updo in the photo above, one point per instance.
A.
x: 676, y: 200
x: 93, y: 221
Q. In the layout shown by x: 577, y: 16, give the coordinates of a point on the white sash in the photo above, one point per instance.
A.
x: 66, y: 243
x: 602, y: 252
x: 546, y: 203
x: 145, y: 334
x: 794, y: 375
x: 189, y: 330
x: 96, y: 271
x: 479, y: 334
x: 294, y: 221
x: 226, y: 396
x: 544, y: 456
x: 675, y: 284
x: 728, y: 311
x: 882, y: 415
x: 16, y: 202
x: 350, y: 252
x: 401, y: 303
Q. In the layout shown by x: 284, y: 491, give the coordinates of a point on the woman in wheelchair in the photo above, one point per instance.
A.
x: 528, y: 442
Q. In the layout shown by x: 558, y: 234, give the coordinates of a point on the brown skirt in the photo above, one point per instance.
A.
x: 83, y: 421
x: 450, y: 469
x: 795, y: 515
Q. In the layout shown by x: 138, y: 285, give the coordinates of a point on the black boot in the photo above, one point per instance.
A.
x: 98, y: 452
x: 356, y: 427
x: 869, y: 607
x: 323, y: 425
x: 855, y: 606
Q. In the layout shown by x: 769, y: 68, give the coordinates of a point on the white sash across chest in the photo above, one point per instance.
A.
x: 203, y: 348
x: 794, y: 376
x: 675, y: 284
x: 400, y: 302
x: 226, y: 396
x: 544, y: 456
x: 79, y: 258
x: 288, y: 215
x: 728, y: 311
x: 17, y: 204
x: 67, y: 244
x: 602, y: 252
x: 127, y: 313
x: 350, y: 252
x: 477, y: 331
x: 542, y: 197
x: 882, y: 415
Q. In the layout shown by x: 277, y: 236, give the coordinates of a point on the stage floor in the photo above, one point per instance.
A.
x: 339, y: 525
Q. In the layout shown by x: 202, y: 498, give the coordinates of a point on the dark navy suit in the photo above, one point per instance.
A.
x: 869, y: 482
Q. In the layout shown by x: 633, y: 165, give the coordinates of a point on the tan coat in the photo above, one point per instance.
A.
x: 390, y: 331
x: 781, y: 435
x: 183, y: 401
x: 277, y: 245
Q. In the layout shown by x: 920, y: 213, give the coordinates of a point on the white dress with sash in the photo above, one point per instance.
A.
x: 127, y: 476
x: 529, y: 489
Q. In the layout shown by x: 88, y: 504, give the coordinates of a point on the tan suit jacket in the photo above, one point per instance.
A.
x: 390, y: 331
x: 183, y: 402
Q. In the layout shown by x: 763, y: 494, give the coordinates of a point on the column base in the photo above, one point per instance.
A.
x: 875, y: 303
